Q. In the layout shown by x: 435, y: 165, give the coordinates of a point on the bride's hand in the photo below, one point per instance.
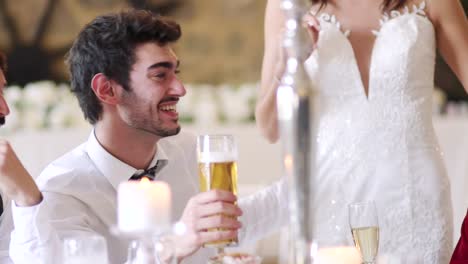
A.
x: 313, y: 27
x: 312, y: 24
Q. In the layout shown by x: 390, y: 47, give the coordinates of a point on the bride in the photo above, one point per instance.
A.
x: 372, y: 64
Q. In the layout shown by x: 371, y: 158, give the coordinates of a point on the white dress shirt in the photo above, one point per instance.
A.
x: 79, y: 191
x: 6, y: 225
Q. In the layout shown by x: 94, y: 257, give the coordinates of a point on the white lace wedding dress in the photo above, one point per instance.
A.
x: 378, y: 147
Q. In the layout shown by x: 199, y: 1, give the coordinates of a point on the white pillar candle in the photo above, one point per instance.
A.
x: 338, y: 255
x: 143, y: 206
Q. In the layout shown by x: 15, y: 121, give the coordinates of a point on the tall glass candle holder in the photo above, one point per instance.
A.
x: 144, y: 209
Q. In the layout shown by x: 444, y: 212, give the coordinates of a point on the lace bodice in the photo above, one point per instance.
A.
x: 391, y: 47
x: 415, y: 10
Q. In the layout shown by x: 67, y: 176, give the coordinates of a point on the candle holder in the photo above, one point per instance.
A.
x: 295, y: 105
x: 143, y: 217
x: 154, y: 246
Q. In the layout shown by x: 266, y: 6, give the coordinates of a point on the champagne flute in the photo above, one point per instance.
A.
x: 217, y: 167
x: 365, y: 230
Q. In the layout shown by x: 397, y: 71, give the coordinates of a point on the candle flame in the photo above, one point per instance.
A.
x: 288, y: 161
x: 145, y: 180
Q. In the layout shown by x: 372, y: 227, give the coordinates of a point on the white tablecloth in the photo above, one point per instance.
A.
x: 259, y: 161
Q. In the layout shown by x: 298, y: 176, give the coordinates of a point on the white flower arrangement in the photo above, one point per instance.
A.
x: 237, y: 103
x: 42, y: 105
x: 46, y: 105
x: 207, y: 104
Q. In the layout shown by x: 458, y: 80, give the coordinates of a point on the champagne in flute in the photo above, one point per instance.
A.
x: 366, y: 240
x: 365, y: 230
x: 217, y: 168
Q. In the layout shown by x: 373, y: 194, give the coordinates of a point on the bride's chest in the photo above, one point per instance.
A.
x: 400, y: 53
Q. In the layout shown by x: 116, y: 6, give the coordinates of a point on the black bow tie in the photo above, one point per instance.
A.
x: 151, y: 172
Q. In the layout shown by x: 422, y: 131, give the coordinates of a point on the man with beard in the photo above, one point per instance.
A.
x: 124, y: 74
x: 15, y: 182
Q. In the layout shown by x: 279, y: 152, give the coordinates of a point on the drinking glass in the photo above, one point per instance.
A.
x: 217, y: 168
x: 159, y: 250
x: 365, y: 230
x: 85, y: 249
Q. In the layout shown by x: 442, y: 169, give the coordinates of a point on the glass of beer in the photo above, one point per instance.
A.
x: 217, y: 168
x: 365, y: 230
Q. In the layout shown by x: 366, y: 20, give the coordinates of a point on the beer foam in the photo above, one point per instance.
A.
x: 216, y: 157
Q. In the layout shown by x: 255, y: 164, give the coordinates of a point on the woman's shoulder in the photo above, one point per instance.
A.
x: 438, y: 9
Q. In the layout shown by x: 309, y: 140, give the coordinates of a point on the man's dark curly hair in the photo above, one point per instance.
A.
x: 107, y: 45
x: 3, y: 62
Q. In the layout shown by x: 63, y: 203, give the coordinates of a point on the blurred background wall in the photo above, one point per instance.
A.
x: 222, y: 39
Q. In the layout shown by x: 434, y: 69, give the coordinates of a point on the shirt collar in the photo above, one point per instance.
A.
x: 115, y: 170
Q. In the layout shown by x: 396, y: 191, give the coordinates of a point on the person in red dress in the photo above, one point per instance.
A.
x: 460, y: 254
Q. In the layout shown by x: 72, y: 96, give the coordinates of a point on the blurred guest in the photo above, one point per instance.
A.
x: 460, y: 255
x: 124, y: 74
x: 15, y: 182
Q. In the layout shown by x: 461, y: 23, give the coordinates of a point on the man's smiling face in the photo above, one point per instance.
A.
x: 155, y: 89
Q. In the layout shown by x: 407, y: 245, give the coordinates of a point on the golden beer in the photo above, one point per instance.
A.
x: 217, y: 170
x: 218, y: 175
x: 221, y: 175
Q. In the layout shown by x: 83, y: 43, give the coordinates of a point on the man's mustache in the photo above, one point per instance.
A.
x: 2, y: 120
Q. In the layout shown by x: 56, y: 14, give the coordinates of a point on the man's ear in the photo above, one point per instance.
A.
x: 104, y: 89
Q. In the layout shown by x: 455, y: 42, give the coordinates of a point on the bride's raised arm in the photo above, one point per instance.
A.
x: 274, y: 61
x: 272, y: 69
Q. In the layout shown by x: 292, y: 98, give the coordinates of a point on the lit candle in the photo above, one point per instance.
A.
x: 339, y: 255
x: 143, y: 206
